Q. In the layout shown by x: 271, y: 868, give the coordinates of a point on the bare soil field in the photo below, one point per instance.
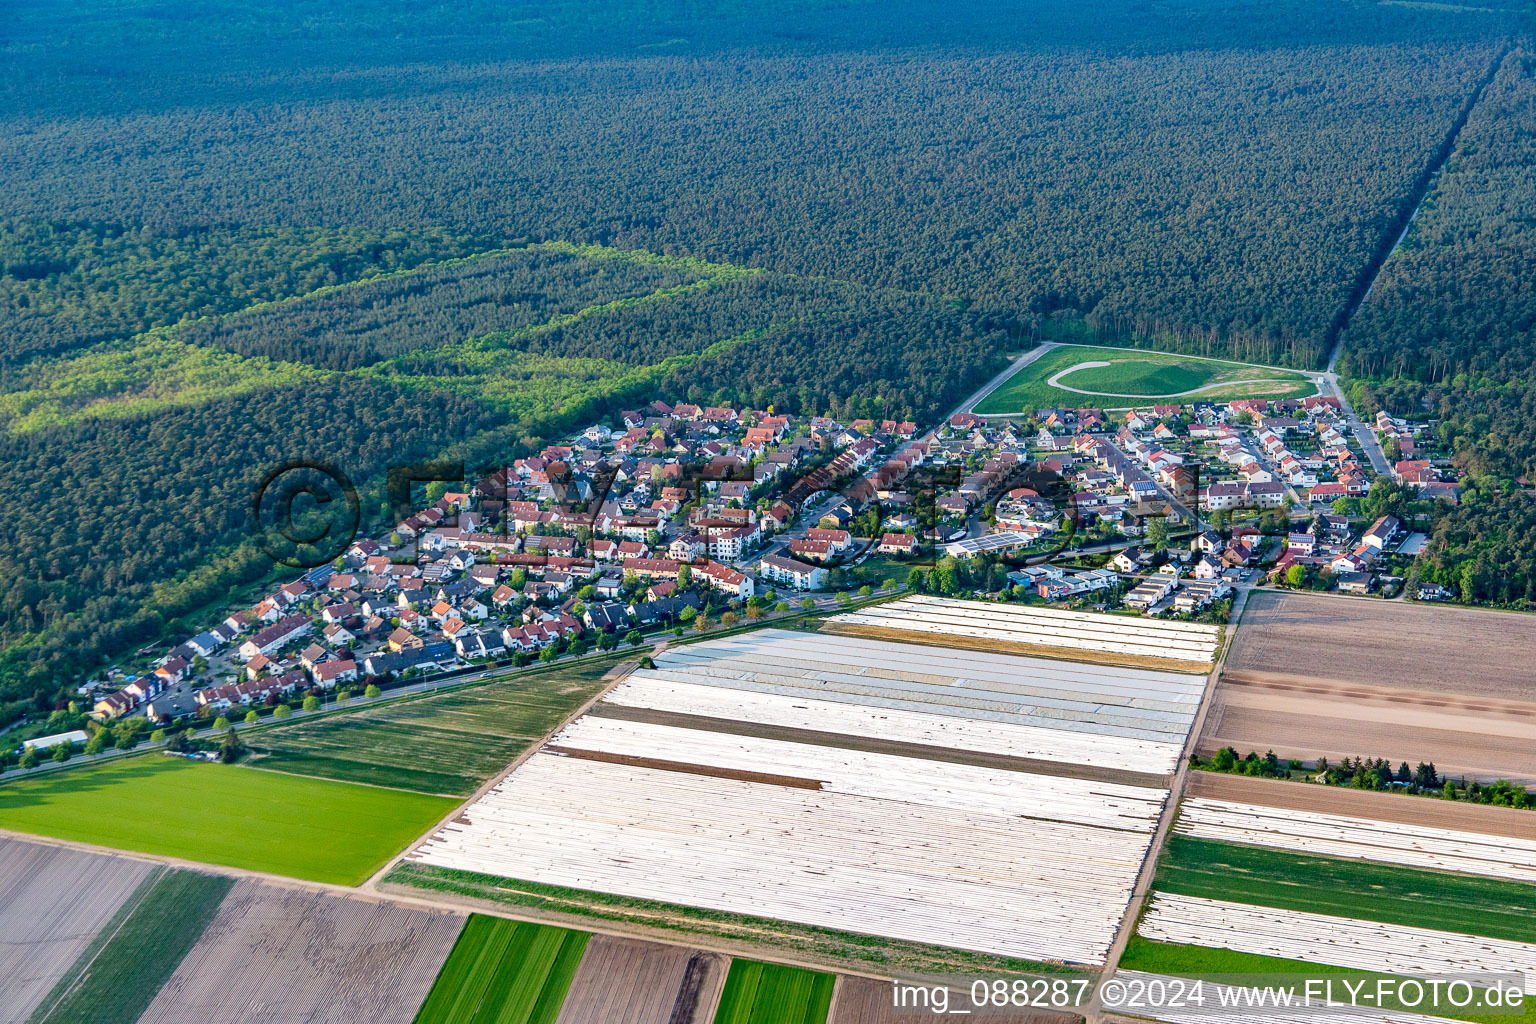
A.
x: 996, y: 646
x: 53, y: 901
x: 1393, y: 807
x: 626, y: 981
x: 283, y: 956
x: 867, y: 1001
x: 1392, y: 644
x: 1482, y: 739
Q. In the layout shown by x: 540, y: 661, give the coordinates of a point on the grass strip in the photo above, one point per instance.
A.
x: 787, y: 937
x: 762, y: 993
x: 115, y: 979
x: 504, y: 972
x: 1339, y: 887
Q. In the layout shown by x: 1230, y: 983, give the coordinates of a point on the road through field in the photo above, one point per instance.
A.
x: 997, y: 382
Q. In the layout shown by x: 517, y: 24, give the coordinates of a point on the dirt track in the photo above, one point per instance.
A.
x: 275, y: 955
x: 1482, y: 739
x: 1394, y: 807
x: 1387, y: 643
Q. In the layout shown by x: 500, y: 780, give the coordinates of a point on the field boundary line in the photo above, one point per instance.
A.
x: 495, y: 780
x: 1094, y: 1012
x: 629, y: 929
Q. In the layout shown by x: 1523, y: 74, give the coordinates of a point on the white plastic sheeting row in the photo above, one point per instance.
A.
x: 1086, y: 631
x: 883, y: 776
x: 1342, y: 941
x: 645, y: 690
x: 1337, y: 835
x: 998, y: 687
x: 1215, y: 1009
x: 904, y: 869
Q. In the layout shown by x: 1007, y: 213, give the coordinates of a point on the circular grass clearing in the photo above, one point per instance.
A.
x: 1141, y: 377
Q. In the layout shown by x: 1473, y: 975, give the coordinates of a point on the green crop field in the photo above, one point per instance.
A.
x: 504, y: 972
x: 447, y: 744
x: 1135, y: 376
x: 1206, y: 961
x: 220, y: 814
x: 1469, y: 904
x: 117, y: 976
x: 759, y: 993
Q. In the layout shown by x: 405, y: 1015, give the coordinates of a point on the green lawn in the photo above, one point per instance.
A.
x: 223, y: 814
x: 1205, y: 961
x: 1136, y: 376
x: 117, y: 976
x: 759, y: 993
x: 1469, y: 904
x: 448, y: 744
x: 504, y: 972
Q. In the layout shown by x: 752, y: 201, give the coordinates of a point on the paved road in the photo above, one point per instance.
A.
x: 1094, y: 1012
x: 1363, y: 432
x: 1251, y: 447
x: 993, y: 384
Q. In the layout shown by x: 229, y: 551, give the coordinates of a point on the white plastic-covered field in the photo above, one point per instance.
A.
x: 966, y: 799
x: 906, y: 869
x: 1048, y: 627
x: 1336, y: 835
x: 953, y: 683
x: 1222, y: 1003
x: 1342, y: 941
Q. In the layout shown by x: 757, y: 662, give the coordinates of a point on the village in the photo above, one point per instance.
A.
x: 682, y: 517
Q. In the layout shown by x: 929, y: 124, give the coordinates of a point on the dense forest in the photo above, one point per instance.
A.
x: 65, y: 285
x: 347, y: 328
x: 1449, y: 332
x: 94, y: 515
x: 1218, y: 173
x: 229, y: 237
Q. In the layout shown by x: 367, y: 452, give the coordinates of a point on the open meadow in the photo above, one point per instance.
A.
x: 447, y: 744
x: 1078, y: 375
x: 220, y: 814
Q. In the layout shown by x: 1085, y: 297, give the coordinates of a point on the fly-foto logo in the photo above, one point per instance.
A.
x: 305, y: 513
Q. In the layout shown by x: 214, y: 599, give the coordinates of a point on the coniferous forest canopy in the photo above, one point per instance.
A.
x: 367, y: 232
